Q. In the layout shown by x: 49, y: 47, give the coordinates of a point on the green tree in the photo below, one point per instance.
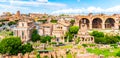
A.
x: 26, y: 48
x: 74, y: 29
x: 10, y: 45
x: 35, y: 36
x: 45, y: 39
x: 69, y: 36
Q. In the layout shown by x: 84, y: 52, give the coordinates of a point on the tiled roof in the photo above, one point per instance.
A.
x: 47, y: 24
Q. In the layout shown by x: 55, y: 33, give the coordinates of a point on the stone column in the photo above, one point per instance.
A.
x: 90, y: 25
x: 103, y: 26
x: 116, y: 23
x: 19, y: 55
x: 116, y: 26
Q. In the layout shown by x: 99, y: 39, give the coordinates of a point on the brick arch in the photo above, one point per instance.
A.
x: 97, y: 23
x: 108, y: 18
x: 109, y: 22
x: 92, y: 18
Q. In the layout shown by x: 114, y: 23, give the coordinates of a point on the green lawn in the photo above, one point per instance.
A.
x: 66, y: 47
x: 105, y: 52
x: 69, y: 55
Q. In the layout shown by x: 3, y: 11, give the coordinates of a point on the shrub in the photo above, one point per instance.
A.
x: 84, y: 45
x: 38, y: 56
x: 97, y: 34
x: 74, y: 29
x: 118, y: 54
x: 100, y: 38
x: 45, y: 57
x: 91, y: 45
x: 114, y: 45
x: 77, y: 40
x: 54, y: 43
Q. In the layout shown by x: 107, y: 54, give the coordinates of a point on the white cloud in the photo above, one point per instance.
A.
x: 33, y: 3
x: 68, y: 11
x: 13, y: 9
x: 42, y: 0
x: 22, y: 0
x: 36, y: 3
x: 115, y: 9
x: 29, y: 6
x: 78, y: 0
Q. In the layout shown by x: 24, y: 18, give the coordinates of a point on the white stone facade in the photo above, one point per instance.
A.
x: 23, y: 30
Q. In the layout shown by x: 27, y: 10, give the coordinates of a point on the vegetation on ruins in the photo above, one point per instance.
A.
x: 77, y: 41
x: 12, y: 23
x: 38, y: 56
x: 43, y: 21
x: 74, y: 29
x: 53, y: 21
x: 68, y: 37
x: 101, y: 38
x: 72, y: 22
x: 4, y: 20
x: 114, y: 45
x: 13, y: 46
x: 70, y: 34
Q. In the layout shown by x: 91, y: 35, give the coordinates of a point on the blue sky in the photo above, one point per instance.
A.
x: 60, y: 6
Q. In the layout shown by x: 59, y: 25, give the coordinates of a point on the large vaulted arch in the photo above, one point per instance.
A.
x: 97, y: 23
x: 109, y: 23
x: 84, y: 21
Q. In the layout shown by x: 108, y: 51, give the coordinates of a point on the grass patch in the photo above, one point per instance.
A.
x: 69, y: 55
x: 66, y: 47
x: 105, y: 52
x: 49, y: 48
